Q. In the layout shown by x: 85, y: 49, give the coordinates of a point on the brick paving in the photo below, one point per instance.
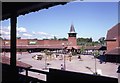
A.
x: 76, y: 65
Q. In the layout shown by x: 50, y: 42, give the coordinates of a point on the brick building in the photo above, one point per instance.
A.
x: 38, y: 45
x: 113, y: 44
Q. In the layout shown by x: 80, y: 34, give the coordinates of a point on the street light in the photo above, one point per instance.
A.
x: 64, y: 56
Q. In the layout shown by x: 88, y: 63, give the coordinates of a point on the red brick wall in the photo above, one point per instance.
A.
x: 40, y: 42
x: 32, y: 40
x: 72, y: 41
x: 1, y: 42
x: 111, y: 45
x: 22, y: 42
x: 7, y: 42
x: 119, y: 41
x: 46, y: 42
x: 54, y: 42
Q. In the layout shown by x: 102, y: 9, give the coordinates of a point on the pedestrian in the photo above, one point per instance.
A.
x: 104, y: 57
x: 79, y: 57
x: 101, y: 59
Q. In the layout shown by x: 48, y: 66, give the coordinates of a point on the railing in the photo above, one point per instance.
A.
x: 27, y: 78
x: 55, y: 76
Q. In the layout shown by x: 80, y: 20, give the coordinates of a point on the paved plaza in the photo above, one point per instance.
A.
x: 85, y: 65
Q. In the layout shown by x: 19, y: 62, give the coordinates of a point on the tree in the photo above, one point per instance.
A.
x: 55, y: 38
x: 45, y: 39
x: 48, y: 53
x: 18, y: 37
x: 82, y: 49
x: 96, y: 53
x: 102, y: 40
x: 90, y: 40
x: 62, y: 39
x: 84, y: 41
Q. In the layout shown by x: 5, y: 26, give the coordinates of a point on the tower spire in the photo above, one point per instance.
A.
x: 72, y: 29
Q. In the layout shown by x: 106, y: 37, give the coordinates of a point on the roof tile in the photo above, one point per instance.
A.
x: 6, y: 60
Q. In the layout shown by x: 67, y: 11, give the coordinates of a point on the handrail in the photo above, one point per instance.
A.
x: 34, y: 70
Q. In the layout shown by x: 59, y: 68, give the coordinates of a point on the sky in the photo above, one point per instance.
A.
x: 90, y: 20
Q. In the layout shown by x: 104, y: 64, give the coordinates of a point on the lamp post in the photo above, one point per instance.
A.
x: 64, y: 65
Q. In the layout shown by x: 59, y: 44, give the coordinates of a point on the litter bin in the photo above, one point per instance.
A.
x: 118, y: 71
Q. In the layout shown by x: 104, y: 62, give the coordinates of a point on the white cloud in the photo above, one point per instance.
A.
x: 7, y: 37
x: 33, y: 33
x: 18, y: 34
x: 26, y: 34
x: 21, y: 29
x: 42, y: 33
x: 22, y: 32
x: 3, y: 32
x: 8, y: 28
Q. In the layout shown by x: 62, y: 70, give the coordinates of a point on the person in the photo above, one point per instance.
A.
x: 79, y: 57
x: 70, y: 56
x: 102, y: 57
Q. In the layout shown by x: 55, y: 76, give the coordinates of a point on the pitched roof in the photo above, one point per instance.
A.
x: 72, y: 29
x: 34, y: 46
x: 113, y: 33
x: 6, y: 60
x: 75, y: 47
x: 95, y: 47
